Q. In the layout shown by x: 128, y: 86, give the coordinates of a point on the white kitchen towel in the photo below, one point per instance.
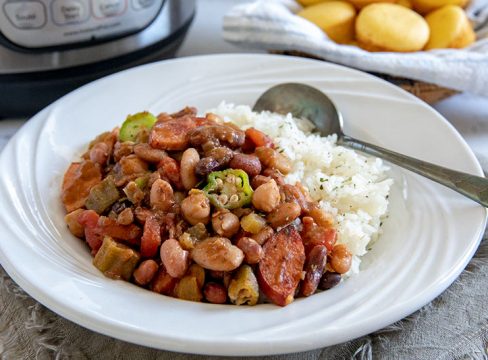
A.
x: 273, y: 25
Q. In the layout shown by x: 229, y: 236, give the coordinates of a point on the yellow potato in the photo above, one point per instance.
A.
x: 359, y: 4
x: 310, y: 2
x: 449, y: 28
x: 391, y: 27
x: 405, y: 3
x: 425, y: 6
x: 335, y: 18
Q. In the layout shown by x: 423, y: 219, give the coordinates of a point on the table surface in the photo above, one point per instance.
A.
x: 29, y: 330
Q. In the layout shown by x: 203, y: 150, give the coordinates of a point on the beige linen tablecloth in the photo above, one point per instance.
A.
x: 453, y: 326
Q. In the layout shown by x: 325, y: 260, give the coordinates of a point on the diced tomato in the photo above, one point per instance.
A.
x: 151, y: 238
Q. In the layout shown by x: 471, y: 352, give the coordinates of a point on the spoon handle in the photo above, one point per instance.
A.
x: 473, y: 187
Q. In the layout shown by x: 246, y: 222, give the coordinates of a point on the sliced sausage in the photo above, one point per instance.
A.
x: 280, y: 269
x: 171, y: 134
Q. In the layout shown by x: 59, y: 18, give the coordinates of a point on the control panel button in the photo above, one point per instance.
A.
x: 69, y: 11
x: 108, y: 8
x: 26, y: 14
x: 142, y: 4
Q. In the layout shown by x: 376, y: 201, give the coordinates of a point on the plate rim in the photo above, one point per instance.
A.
x: 100, y: 325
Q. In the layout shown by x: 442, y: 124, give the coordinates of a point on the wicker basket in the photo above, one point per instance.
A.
x: 429, y: 93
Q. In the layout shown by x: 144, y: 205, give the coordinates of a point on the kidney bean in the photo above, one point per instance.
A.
x: 174, y: 258
x: 163, y: 283
x: 146, y: 272
x: 215, y: 293
x: 266, y: 197
x: 147, y: 153
x: 314, y: 267
x: 218, y: 133
x: 249, y: 163
x: 272, y: 159
x: 283, y: 214
x: 206, y: 165
x: 196, y: 208
x: 329, y: 280
x: 263, y: 236
x: 161, y: 195
x: 340, y: 259
x: 280, y: 269
x: 217, y: 253
x: 225, y: 223
x: 253, y: 252
x: 189, y: 161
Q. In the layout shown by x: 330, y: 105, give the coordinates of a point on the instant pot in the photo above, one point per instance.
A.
x: 49, y: 47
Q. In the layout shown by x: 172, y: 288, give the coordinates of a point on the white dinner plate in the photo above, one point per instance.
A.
x: 429, y: 236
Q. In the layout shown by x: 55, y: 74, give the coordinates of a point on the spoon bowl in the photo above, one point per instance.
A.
x: 304, y: 101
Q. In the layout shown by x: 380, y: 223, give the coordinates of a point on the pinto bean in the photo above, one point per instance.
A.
x: 266, y: 197
x: 148, y: 153
x: 218, y: 134
x: 249, y: 163
x: 262, y: 236
x: 189, y: 161
x: 314, y: 267
x: 283, y: 214
x: 146, y: 272
x: 276, y: 175
x: 196, y: 208
x: 217, y: 253
x: 253, y: 252
x: 293, y: 194
x: 161, y: 195
x: 259, y: 180
x: 215, y: 293
x: 341, y: 259
x: 270, y: 158
x: 122, y: 149
x: 174, y: 258
x: 100, y: 153
x: 225, y: 223
x: 125, y: 217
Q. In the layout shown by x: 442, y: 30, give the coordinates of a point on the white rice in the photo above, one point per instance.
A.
x: 352, y: 187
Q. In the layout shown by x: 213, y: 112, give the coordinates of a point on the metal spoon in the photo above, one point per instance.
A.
x: 304, y: 101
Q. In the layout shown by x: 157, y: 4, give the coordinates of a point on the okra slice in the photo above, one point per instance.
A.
x: 133, y: 125
x: 115, y: 260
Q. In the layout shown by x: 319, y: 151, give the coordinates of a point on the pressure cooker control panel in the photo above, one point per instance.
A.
x: 43, y: 23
